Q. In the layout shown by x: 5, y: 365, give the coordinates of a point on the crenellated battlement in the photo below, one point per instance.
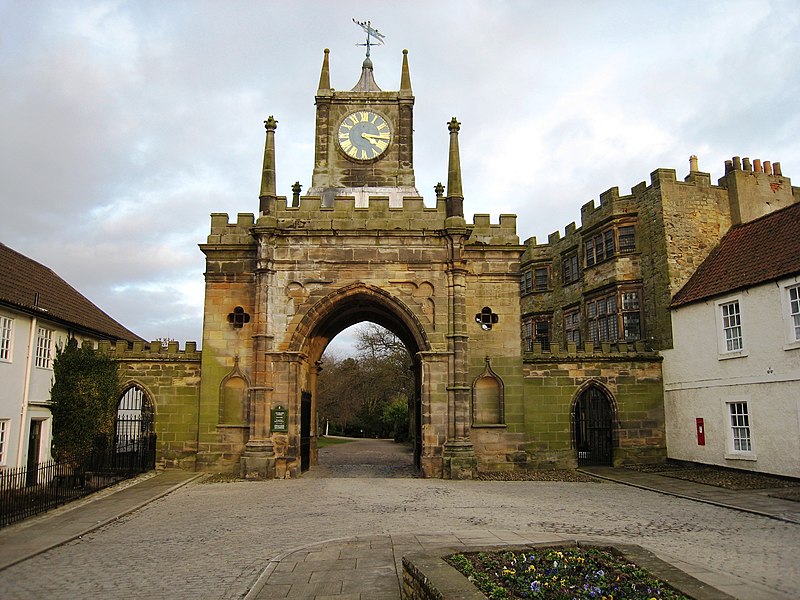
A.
x: 752, y: 187
x: 611, y: 205
x: 225, y: 232
x: 149, y: 350
x: 485, y: 232
x: 312, y: 215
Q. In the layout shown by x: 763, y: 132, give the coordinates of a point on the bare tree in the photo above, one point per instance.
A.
x: 355, y: 393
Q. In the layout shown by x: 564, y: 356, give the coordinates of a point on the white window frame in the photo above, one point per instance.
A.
x: 724, y: 325
x: 791, y: 312
x: 44, y: 348
x: 5, y: 430
x: 6, y: 339
x: 739, y: 426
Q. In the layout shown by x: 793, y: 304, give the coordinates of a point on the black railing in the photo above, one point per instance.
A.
x: 26, y: 492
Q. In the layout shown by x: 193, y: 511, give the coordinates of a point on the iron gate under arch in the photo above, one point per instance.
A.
x: 134, y: 431
x: 594, y: 428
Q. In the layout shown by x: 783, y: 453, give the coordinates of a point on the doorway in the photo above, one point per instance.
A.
x: 593, y: 425
x: 34, y: 449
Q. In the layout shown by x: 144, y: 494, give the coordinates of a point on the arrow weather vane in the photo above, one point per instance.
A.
x: 367, y: 27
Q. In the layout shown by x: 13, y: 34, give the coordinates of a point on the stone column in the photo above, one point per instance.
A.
x: 459, y: 454
x: 258, y: 461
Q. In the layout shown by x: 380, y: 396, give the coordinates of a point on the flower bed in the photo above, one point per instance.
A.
x: 560, y: 572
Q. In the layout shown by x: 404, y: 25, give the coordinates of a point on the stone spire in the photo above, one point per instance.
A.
x: 455, y: 197
x: 405, y: 77
x: 268, y: 194
x: 367, y: 81
x: 325, y: 75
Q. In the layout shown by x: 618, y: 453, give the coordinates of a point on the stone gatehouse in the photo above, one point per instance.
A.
x: 493, y: 391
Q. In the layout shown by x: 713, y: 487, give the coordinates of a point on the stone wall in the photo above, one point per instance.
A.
x: 631, y: 378
x: 171, y: 379
x: 678, y: 224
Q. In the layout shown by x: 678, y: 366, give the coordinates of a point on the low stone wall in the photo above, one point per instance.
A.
x: 429, y: 577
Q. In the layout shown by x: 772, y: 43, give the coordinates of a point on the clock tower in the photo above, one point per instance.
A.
x: 364, y: 139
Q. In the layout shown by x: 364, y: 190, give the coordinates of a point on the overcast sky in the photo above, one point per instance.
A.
x: 126, y: 123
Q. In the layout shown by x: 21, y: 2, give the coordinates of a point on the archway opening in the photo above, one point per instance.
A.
x: 367, y: 405
x: 134, y: 431
x: 593, y: 423
x: 369, y: 375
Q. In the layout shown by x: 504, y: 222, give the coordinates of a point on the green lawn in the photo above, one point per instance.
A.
x: 324, y: 442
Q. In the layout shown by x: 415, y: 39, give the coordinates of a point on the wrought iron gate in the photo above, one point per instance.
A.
x: 594, y: 428
x: 305, y: 431
x: 134, y: 431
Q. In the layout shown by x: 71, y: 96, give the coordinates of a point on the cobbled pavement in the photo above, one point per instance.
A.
x: 213, y: 540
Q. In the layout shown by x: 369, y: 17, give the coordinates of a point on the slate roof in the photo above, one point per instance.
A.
x: 760, y: 251
x: 21, y: 278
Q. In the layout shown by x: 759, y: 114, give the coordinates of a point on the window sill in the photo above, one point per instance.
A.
x: 792, y: 346
x: 489, y: 425
x: 749, y: 456
x: 731, y: 355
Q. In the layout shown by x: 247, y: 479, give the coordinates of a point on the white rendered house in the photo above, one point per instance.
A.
x: 732, y: 380
x: 38, y: 312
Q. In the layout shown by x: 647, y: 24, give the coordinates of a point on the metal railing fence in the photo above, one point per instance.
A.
x: 26, y: 492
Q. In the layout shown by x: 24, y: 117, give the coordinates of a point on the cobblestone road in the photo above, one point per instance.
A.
x: 212, y: 540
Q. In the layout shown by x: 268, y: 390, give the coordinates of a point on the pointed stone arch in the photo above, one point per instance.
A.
x: 326, y: 318
x: 353, y: 304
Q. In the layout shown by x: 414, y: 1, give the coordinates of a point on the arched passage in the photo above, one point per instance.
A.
x: 593, y: 426
x: 331, y: 315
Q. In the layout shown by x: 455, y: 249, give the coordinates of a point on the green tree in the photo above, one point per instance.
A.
x: 83, y: 399
x: 395, y: 419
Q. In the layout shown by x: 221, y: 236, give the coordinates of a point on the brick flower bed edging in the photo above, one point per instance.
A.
x: 429, y: 577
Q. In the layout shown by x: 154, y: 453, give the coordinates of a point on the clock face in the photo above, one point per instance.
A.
x: 364, y: 135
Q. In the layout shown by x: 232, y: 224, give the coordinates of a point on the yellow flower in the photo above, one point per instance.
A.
x: 509, y: 572
x: 531, y: 568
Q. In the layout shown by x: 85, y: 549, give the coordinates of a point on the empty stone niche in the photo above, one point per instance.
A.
x: 233, y: 397
x: 487, y: 398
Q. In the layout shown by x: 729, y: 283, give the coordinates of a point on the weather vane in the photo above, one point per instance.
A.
x: 367, y: 27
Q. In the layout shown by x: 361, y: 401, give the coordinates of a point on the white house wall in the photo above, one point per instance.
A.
x: 12, y: 390
x: 699, y: 381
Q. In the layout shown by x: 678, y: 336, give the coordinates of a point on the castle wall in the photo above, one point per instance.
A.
x: 409, y: 268
x: 171, y: 379
x: 554, y: 380
x: 678, y: 224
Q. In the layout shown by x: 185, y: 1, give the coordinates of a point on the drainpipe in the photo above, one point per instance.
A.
x: 23, y: 413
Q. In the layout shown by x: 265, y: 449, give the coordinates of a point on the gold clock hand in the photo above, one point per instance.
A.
x: 371, y: 136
